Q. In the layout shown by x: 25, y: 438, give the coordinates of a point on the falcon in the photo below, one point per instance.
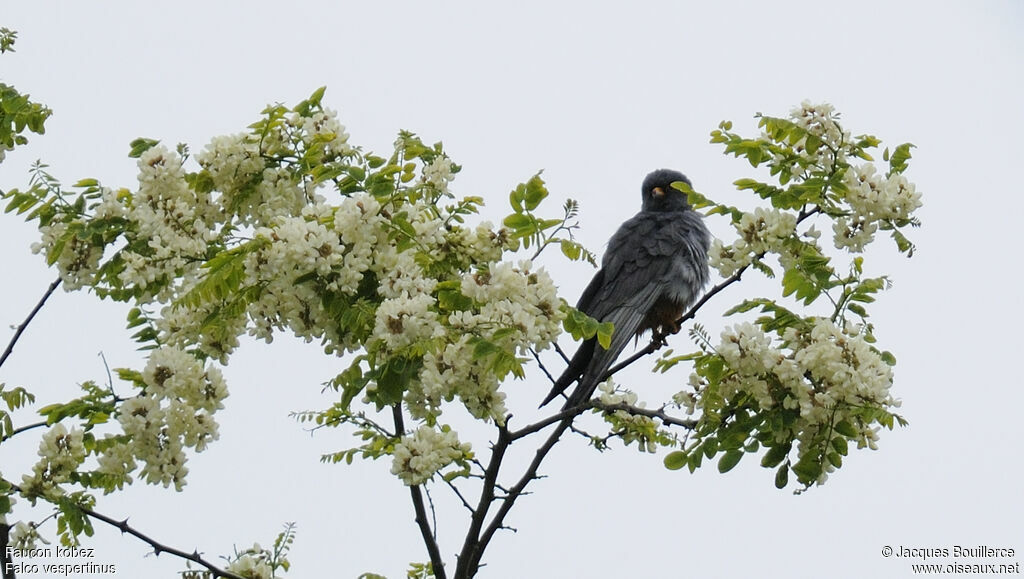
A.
x: 654, y: 268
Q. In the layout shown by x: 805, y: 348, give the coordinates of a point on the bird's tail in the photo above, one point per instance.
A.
x: 598, y: 367
x: 577, y: 367
x: 595, y: 366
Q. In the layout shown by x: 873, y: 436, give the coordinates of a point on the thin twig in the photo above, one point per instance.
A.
x: 21, y: 429
x: 158, y: 548
x: 28, y: 320
x: 458, y: 493
x: 433, y: 511
x: 541, y: 364
x: 542, y: 424
x: 660, y: 414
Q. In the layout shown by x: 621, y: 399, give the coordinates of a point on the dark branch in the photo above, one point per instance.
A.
x: 7, y: 571
x: 516, y: 491
x: 660, y: 414
x: 21, y: 429
x: 159, y: 547
x: 542, y: 367
x: 541, y: 425
x: 28, y: 320
x: 428, y: 534
x: 473, y: 547
x: 458, y: 493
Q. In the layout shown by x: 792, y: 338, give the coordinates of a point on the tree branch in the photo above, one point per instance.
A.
x: 473, y: 547
x: 28, y: 320
x: 159, y: 547
x: 542, y: 424
x: 7, y: 571
x: 517, y: 490
x: 428, y: 534
x: 21, y: 429
x: 660, y: 414
x: 125, y: 528
x: 459, y: 494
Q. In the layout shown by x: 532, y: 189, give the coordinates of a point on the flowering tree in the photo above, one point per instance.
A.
x: 288, y: 227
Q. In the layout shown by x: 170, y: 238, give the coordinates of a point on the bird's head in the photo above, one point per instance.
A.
x: 658, y: 193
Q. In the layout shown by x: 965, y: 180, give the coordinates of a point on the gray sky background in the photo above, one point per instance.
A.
x: 595, y: 94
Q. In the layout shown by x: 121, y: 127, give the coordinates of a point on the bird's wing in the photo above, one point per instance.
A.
x: 637, y: 269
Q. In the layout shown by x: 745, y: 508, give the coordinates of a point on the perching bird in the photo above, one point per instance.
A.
x: 653, y: 269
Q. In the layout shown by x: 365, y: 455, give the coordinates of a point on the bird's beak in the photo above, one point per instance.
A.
x: 658, y: 192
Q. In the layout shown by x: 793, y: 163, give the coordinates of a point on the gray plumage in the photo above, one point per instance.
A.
x: 654, y: 268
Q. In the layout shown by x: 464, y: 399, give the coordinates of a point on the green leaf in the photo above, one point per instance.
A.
x: 604, y: 334
x: 729, y: 460
x: 782, y: 476
x: 518, y: 221
x: 140, y: 146
x: 571, y: 249
x: 898, y: 162
x: 840, y: 445
x: 675, y: 460
x: 807, y: 470
x: 845, y: 428
x: 775, y: 455
x: 535, y: 192
x: 393, y: 379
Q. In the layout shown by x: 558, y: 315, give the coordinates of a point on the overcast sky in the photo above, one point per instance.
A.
x: 596, y: 94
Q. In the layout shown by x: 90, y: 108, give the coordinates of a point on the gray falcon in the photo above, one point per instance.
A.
x: 654, y: 268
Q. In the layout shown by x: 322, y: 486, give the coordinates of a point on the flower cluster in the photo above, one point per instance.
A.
x: 630, y: 427
x: 253, y: 563
x: 453, y: 371
x: 512, y: 297
x: 872, y: 198
x: 438, y: 173
x: 764, y: 230
x: 322, y: 129
x: 78, y: 260
x: 61, y: 452
x: 417, y: 457
x: 174, y: 412
x: 825, y: 145
x: 172, y: 225
x: 24, y: 536
x: 823, y: 373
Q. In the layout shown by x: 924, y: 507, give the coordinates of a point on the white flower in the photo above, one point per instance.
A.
x: 454, y: 372
x: 417, y: 457
x: 23, y: 537
x: 251, y: 567
x: 853, y: 235
x: 173, y: 373
x: 819, y: 119
x: 766, y: 229
x: 827, y: 373
x: 402, y: 321
x: 323, y: 126
x: 513, y: 297
x: 727, y: 259
x: 439, y: 173
x: 78, y: 261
